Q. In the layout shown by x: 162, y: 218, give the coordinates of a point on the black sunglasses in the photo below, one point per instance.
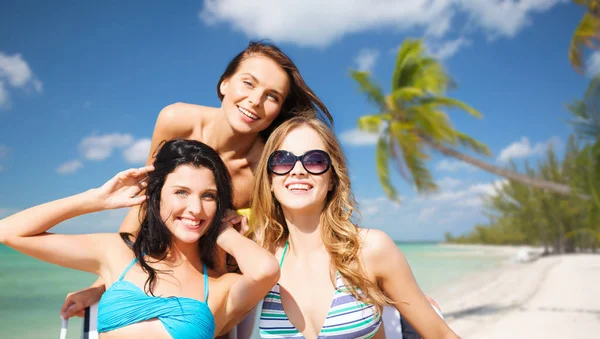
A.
x: 314, y: 162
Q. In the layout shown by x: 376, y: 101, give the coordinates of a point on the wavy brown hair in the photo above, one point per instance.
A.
x: 300, y: 99
x: 340, y: 236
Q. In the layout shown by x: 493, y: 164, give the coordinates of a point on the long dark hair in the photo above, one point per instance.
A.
x: 154, y: 238
x: 301, y: 100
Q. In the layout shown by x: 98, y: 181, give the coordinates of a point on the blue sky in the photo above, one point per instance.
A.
x: 82, y: 84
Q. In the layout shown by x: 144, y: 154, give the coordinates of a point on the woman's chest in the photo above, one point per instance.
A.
x: 307, y: 301
x: 242, y: 180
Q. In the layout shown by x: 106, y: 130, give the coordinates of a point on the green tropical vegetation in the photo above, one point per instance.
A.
x: 520, y: 215
x: 586, y: 35
x: 412, y: 123
x: 554, y: 204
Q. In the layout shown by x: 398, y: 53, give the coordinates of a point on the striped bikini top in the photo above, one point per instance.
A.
x: 348, y: 318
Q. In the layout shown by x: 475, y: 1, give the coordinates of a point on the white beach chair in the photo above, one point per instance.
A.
x: 90, y: 323
x: 89, y: 329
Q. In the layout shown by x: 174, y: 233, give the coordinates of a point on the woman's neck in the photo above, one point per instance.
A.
x: 305, y: 232
x: 225, y: 140
x: 181, y: 253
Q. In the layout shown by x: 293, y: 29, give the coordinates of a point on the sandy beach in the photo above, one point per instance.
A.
x: 551, y: 297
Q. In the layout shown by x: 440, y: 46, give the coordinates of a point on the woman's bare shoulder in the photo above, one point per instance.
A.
x: 376, y: 245
x: 181, y: 118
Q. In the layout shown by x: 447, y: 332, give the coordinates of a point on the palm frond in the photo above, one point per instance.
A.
x: 370, y: 88
x: 407, y: 93
x: 469, y: 142
x: 414, y: 158
x: 372, y: 123
x: 587, y: 34
x: 382, y: 160
x: 451, y: 103
x: 433, y: 123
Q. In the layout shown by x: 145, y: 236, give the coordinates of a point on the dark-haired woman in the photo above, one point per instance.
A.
x: 158, y: 279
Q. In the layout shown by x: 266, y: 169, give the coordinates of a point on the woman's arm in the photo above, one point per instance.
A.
x: 260, y: 272
x: 26, y: 231
x: 388, y: 264
x: 173, y: 121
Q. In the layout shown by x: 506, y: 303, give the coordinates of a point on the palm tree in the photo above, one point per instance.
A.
x: 411, y: 122
x: 520, y: 215
x: 587, y: 33
x: 587, y: 127
x: 587, y: 112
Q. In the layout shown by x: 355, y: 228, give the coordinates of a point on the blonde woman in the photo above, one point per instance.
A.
x: 335, y: 276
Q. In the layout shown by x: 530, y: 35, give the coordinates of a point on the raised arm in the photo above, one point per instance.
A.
x: 260, y: 272
x: 173, y: 121
x: 388, y: 264
x: 26, y: 231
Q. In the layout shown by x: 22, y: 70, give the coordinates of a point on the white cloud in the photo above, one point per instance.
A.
x: 455, y: 209
x: 372, y: 207
x: 16, y: 72
x: 4, y: 100
x: 356, y: 137
x: 365, y: 60
x: 320, y: 23
x: 448, y: 183
x: 426, y: 213
x: 504, y: 17
x: 101, y: 147
x: 138, y: 152
x: 593, y: 64
x: 447, y: 49
x: 490, y: 188
x: 523, y: 149
x: 69, y: 167
x: 39, y: 87
x: 455, y: 166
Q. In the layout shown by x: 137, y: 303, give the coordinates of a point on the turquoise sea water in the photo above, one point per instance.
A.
x: 32, y: 292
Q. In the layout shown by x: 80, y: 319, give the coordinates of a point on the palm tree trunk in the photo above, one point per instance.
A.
x: 524, y: 179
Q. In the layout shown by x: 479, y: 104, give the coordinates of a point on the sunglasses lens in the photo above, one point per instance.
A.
x: 316, y: 162
x: 282, y: 162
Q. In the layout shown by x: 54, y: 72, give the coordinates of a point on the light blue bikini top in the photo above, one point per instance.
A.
x: 124, y: 304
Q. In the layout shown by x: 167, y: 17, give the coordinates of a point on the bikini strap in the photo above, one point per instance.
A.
x: 284, y: 252
x: 205, y: 285
x: 127, y: 268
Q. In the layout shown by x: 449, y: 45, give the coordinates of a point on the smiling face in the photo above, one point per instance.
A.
x: 188, y: 202
x: 298, y: 190
x: 254, y: 95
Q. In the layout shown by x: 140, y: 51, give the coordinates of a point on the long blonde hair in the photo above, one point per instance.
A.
x: 340, y: 236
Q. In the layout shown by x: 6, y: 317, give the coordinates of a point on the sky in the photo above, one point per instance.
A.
x: 81, y: 85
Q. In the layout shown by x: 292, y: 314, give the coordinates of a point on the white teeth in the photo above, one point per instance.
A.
x: 302, y: 187
x: 188, y: 222
x: 248, y: 113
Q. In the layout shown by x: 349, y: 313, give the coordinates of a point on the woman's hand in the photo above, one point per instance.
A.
x: 238, y: 222
x: 76, y: 302
x: 123, y: 189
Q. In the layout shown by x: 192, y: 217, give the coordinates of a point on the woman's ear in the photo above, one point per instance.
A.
x: 223, y: 86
